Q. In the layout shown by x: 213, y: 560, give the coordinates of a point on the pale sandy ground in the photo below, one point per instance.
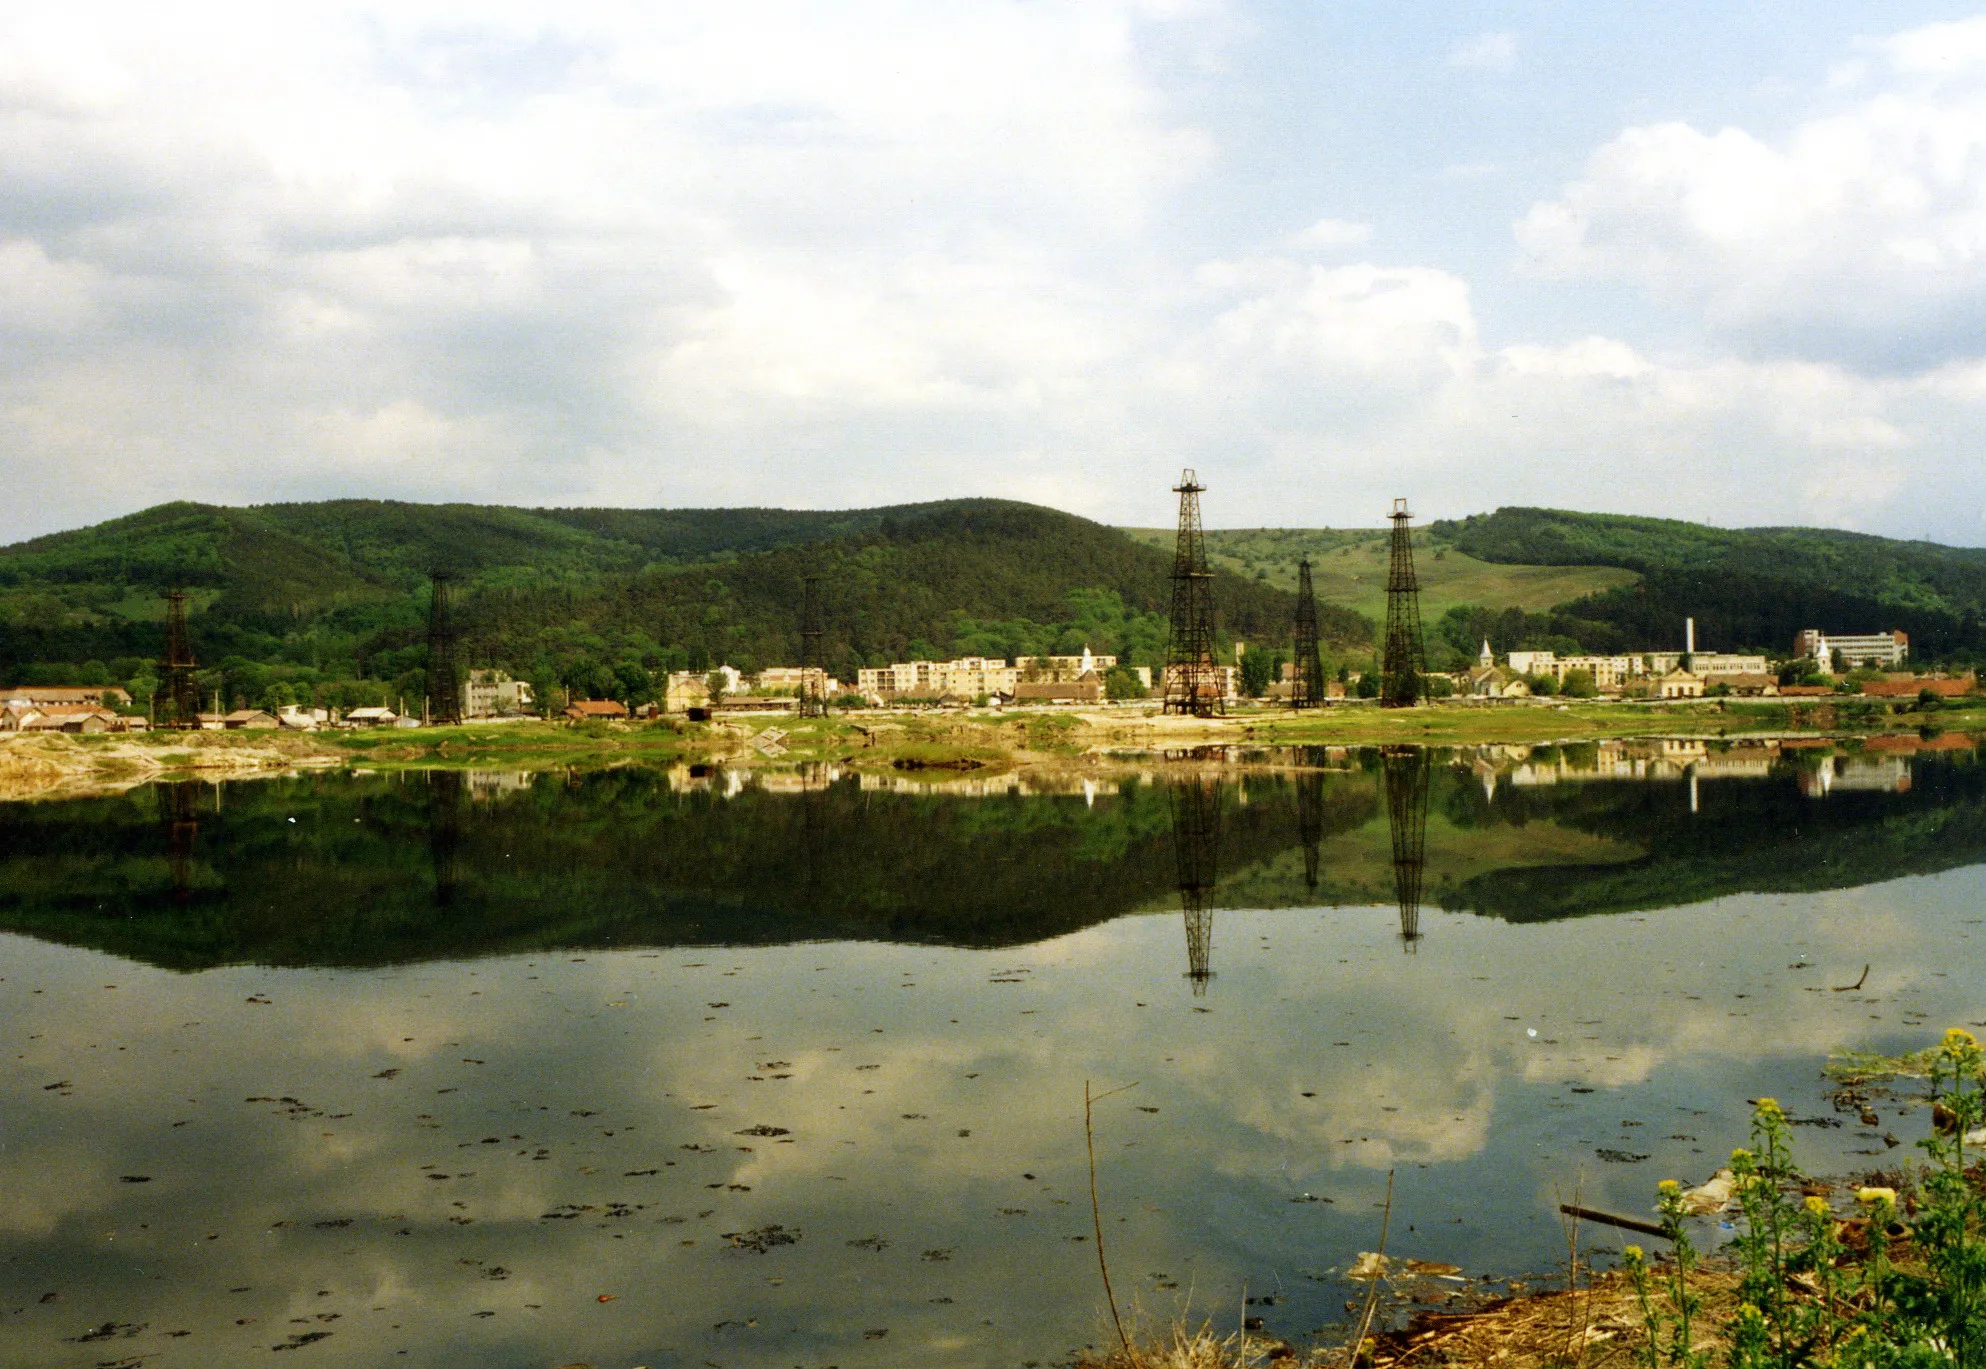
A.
x: 48, y: 765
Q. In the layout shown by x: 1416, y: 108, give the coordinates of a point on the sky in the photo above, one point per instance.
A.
x: 1724, y: 263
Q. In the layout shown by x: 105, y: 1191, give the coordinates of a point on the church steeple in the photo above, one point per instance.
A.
x: 1486, y: 658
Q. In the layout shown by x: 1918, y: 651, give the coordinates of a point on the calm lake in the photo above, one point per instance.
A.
x: 673, y: 1068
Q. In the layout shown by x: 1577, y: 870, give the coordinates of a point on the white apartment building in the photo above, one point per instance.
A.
x: 1609, y: 672
x: 490, y: 693
x: 1875, y: 648
x: 1706, y: 663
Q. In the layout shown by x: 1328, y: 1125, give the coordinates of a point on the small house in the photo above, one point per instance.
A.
x: 250, y: 719
x: 1679, y: 684
x: 371, y: 717
x: 590, y: 710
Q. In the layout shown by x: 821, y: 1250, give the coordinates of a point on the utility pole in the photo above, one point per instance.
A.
x: 1192, y: 681
x: 1404, y: 667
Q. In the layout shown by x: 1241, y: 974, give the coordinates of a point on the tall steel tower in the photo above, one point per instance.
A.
x: 1196, y: 839
x: 1192, y: 681
x: 813, y: 665
x: 444, y: 697
x: 1404, y: 666
x: 181, y: 691
x: 1307, y: 680
x: 1406, y: 771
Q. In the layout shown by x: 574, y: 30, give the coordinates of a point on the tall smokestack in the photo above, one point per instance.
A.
x: 1689, y: 635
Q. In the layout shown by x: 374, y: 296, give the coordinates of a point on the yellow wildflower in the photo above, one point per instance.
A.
x: 1958, y: 1037
x: 1766, y: 1105
x: 1873, y: 1196
x: 1669, y: 1186
x: 1633, y: 1254
x: 1816, y: 1205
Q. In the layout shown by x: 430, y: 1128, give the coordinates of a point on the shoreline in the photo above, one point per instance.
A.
x: 939, y: 745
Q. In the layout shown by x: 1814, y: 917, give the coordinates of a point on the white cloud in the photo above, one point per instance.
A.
x: 1486, y: 52
x: 1331, y: 235
x: 1859, y: 236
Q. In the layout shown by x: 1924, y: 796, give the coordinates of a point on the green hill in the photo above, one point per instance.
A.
x: 1349, y: 566
x: 1746, y: 587
x: 305, y: 595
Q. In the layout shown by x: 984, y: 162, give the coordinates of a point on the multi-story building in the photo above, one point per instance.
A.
x: 794, y: 679
x: 1608, y: 672
x: 1705, y: 663
x: 1875, y: 648
x: 492, y: 693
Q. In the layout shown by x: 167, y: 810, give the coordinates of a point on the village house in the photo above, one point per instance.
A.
x: 1909, y: 687
x: 1044, y: 692
x: 1745, y: 684
x: 589, y: 710
x: 371, y: 717
x: 1495, y: 682
x: 66, y: 717
x: 250, y: 719
x: 104, y: 696
x: 1679, y: 684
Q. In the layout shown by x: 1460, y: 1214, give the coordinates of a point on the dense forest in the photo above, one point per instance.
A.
x: 1747, y: 588
x: 328, y: 601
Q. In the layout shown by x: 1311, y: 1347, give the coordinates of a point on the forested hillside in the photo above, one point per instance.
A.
x: 594, y: 600
x: 1749, y: 587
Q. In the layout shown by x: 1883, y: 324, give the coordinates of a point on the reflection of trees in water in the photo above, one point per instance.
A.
x: 179, y: 810
x: 445, y: 833
x: 1407, y: 769
x: 1196, y: 841
x: 1310, y: 810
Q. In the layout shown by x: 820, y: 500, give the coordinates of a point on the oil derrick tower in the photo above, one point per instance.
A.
x: 445, y: 833
x: 1192, y: 682
x: 1196, y: 839
x: 180, y: 691
x: 1307, y: 679
x: 1310, y: 810
x: 1407, y: 769
x: 1404, y: 667
x: 444, y: 696
x: 813, y: 663
x: 179, y: 802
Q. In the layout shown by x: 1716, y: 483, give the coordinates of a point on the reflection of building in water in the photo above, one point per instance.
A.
x: 1310, y: 813
x: 1870, y: 774
x: 1196, y: 840
x: 445, y: 789
x: 491, y: 785
x: 1407, y: 770
x: 179, y: 806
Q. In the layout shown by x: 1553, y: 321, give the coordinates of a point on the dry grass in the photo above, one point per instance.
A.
x: 1595, y: 1327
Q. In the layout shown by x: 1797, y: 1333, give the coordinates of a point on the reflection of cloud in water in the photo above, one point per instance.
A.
x: 1436, y: 1074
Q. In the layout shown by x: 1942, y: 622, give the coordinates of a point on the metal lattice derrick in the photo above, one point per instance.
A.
x: 1192, y: 682
x: 179, y: 802
x: 444, y: 691
x: 813, y: 661
x: 1310, y: 812
x: 1196, y: 838
x: 1403, y: 668
x: 178, y: 690
x: 1307, y: 678
x: 1407, y: 770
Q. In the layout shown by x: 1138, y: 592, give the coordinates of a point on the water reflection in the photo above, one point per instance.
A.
x: 1310, y: 810
x: 560, y: 1037
x: 1407, y: 769
x: 1196, y: 840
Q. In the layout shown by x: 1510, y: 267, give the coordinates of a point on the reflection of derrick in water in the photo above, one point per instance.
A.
x: 1196, y: 839
x: 1310, y: 813
x: 179, y: 804
x: 1407, y: 770
x: 445, y: 832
